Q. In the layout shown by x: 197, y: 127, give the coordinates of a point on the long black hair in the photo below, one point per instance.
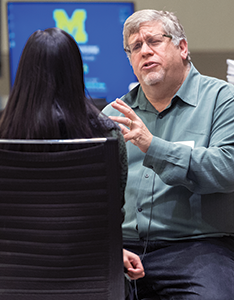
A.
x: 48, y: 98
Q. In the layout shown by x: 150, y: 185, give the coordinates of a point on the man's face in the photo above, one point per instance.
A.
x: 152, y: 65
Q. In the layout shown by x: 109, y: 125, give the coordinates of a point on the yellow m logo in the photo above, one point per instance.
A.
x: 74, y: 25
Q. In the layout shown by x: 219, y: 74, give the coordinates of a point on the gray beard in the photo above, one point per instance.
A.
x: 153, y: 78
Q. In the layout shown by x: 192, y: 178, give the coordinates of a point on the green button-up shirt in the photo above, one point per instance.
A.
x: 183, y: 186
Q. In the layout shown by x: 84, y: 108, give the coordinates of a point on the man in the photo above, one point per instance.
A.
x: 179, y: 129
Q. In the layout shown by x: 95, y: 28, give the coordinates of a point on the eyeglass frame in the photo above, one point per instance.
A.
x: 129, y: 52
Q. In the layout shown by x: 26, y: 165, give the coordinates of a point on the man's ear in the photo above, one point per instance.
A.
x: 183, y: 49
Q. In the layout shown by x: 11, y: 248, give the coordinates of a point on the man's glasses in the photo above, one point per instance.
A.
x: 153, y: 42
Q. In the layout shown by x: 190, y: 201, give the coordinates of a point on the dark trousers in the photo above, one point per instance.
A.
x: 201, y: 269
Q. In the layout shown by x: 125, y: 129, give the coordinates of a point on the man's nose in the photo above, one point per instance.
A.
x: 146, y: 48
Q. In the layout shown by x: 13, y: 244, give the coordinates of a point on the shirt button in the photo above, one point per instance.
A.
x: 140, y: 209
x: 160, y: 116
x: 146, y: 175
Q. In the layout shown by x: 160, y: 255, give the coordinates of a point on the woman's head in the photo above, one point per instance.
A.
x: 51, y: 65
x: 48, y: 90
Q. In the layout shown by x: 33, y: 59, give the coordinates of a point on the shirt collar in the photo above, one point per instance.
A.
x: 188, y: 92
x: 136, y: 98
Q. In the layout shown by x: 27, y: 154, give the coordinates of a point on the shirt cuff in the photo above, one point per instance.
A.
x: 156, y: 155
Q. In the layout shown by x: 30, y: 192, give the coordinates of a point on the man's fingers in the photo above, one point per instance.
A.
x: 121, y: 120
x: 124, y: 109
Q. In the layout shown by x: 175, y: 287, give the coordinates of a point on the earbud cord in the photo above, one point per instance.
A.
x: 147, y: 237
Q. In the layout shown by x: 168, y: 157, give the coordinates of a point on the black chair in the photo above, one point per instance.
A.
x: 153, y: 298
x: 60, y: 222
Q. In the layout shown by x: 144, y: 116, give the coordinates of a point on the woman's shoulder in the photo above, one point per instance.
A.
x: 108, y: 123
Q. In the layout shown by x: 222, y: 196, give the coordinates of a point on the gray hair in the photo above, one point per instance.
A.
x: 170, y: 24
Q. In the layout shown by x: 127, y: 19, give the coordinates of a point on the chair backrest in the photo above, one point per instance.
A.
x: 60, y: 222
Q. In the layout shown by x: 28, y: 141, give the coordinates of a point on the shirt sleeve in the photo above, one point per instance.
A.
x: 202, y: 170
x: 123, y: 166
x: 115, y: 132
x: 122, y: 161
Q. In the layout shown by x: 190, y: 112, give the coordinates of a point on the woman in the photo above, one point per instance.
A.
x: 48, y: 101
x: 48, y: 97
